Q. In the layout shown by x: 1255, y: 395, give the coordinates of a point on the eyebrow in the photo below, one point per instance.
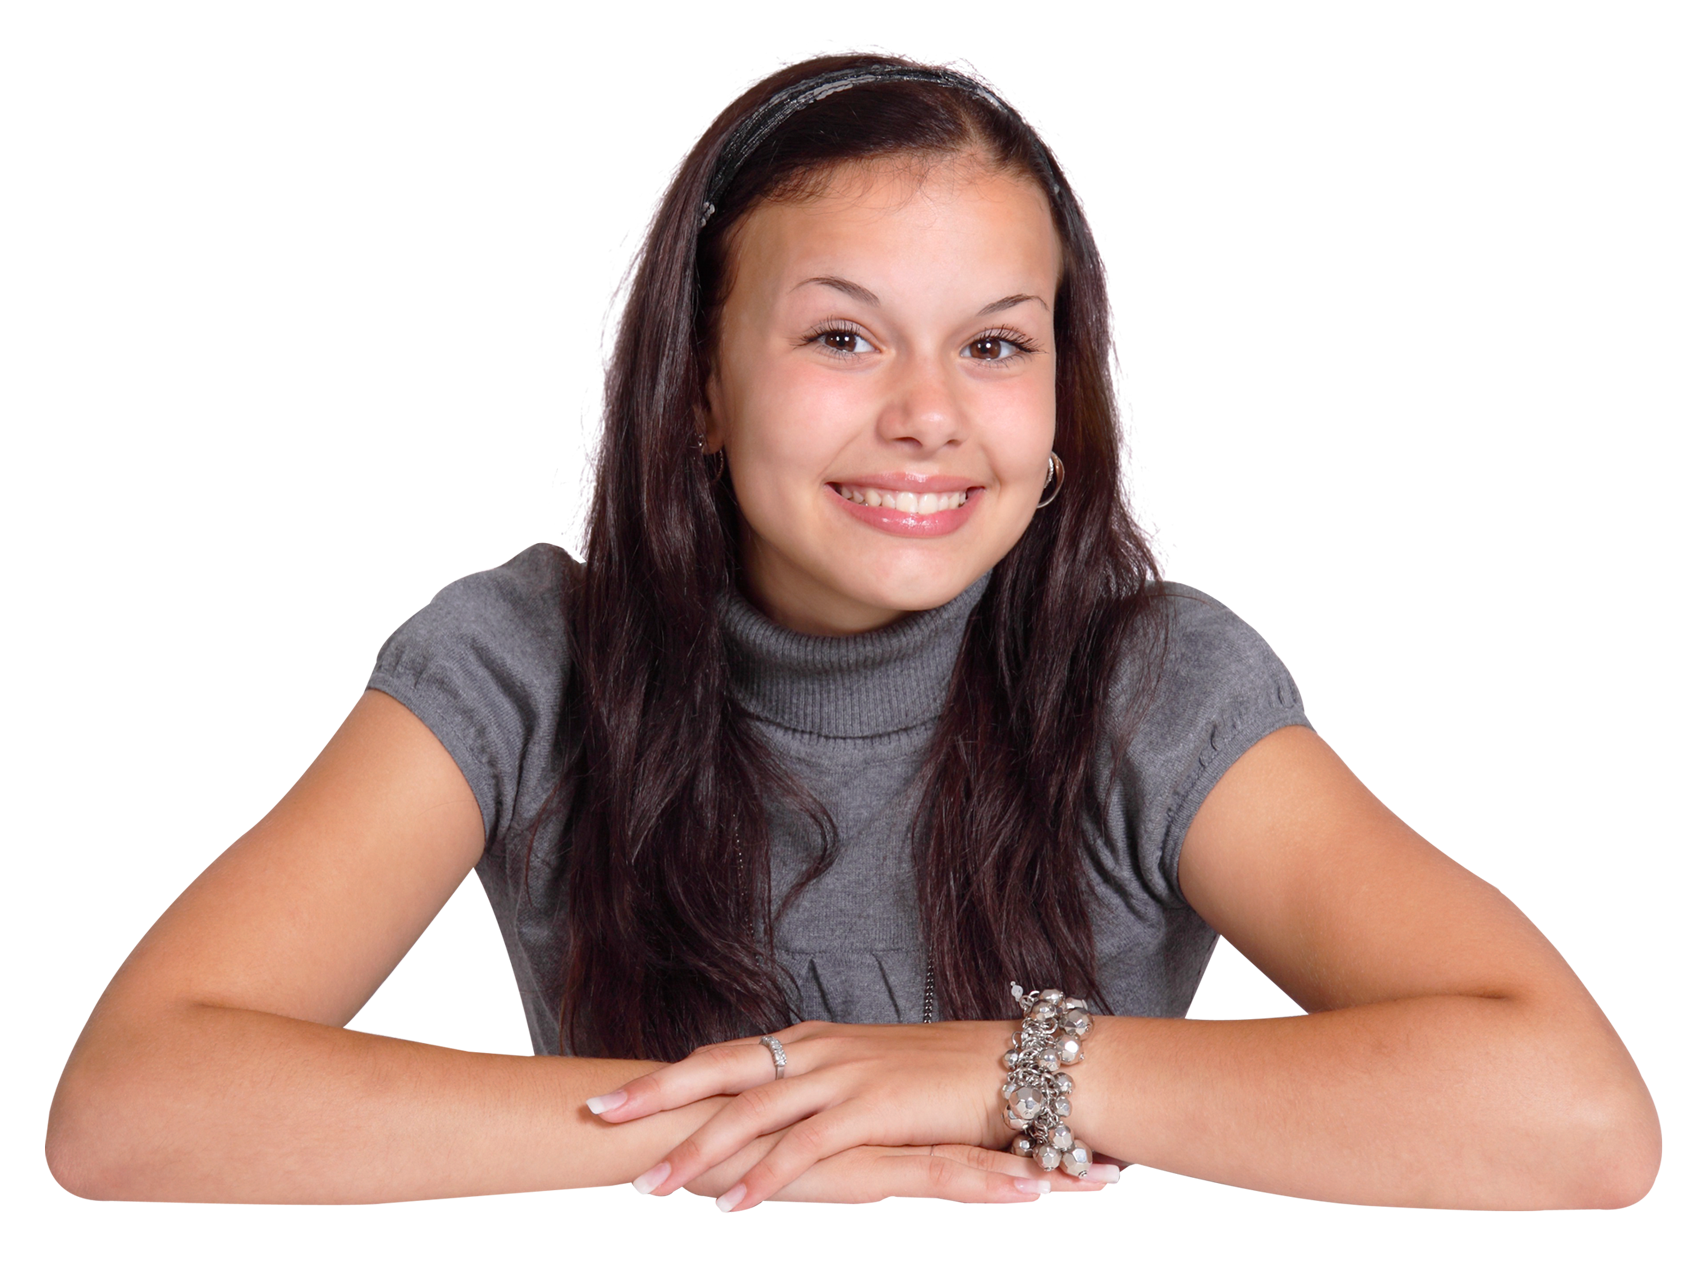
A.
x: 863, y: 294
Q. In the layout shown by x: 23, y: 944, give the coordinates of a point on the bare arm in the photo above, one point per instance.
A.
x: 1450, y: 1058
x: 215, y: 1067
x: 240, y: 1106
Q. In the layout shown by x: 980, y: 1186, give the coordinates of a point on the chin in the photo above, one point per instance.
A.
x: 911, y: 593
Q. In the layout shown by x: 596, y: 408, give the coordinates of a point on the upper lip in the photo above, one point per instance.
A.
x: 920, y: 484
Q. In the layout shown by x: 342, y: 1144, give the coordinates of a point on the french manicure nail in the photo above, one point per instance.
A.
x: 1033, y: 1186
x: 612, y: 1101
x: 647, y: 1182
x: 1104, y: 1172
x: 730, y: 1198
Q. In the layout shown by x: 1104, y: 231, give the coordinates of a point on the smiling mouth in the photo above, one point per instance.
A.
x: 902, y: 501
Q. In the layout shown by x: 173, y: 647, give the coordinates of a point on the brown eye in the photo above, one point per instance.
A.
x: 843, y: 341
x: 997, y: 345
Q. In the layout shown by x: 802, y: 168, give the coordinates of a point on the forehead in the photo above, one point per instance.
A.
x: 903, y: 226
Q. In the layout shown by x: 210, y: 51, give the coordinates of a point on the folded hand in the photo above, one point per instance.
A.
x: 905, y: 1089
x: 871, y: 1173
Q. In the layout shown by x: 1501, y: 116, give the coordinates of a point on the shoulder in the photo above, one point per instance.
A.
x: 497, y: 633
x: 1206, y: 652
x: 519, y: 603
x: 1190, y: 653
x: 538, y: 570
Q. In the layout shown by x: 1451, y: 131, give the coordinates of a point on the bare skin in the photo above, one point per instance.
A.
x: 1449, y: 1056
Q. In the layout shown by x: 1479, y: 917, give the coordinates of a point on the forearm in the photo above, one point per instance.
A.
x: 214, y: 1104
x: 1454, y: 1101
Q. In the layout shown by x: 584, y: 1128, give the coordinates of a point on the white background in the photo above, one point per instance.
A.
x: 302, y: 315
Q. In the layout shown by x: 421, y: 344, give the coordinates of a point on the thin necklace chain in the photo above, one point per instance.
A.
x: 929, y: 1009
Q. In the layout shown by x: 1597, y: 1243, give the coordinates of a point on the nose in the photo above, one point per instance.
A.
x: 923, y: 414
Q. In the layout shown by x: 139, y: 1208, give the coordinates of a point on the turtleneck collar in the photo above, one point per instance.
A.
x: 867, y: 685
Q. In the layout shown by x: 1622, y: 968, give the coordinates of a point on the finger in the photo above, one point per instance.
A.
x: 1092, y: 1187
x: 871, y: 1174
x: 809, y: 1140
x: 746, y: 1116
x: 937, y: 1175
x: 717, y: 1179
x: 1097, y: 1175
x: 715, y: 1070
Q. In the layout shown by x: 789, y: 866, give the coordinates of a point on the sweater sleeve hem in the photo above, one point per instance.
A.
x: 1224, y: 751
x: 463, y: 748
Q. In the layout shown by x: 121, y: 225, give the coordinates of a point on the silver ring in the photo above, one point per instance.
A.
x: 778, y: 1051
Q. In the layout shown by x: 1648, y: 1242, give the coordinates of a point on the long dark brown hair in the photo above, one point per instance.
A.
x: 667, y: 783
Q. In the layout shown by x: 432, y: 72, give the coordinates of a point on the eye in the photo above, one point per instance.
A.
x: 998, y: 344
x: 843, y: 341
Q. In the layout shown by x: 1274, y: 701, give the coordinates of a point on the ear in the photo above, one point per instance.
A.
x: 712, y: 409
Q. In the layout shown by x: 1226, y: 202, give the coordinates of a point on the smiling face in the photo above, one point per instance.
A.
x: 884, y: 388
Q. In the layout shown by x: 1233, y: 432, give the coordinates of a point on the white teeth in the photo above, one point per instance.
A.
x: 903, y: 501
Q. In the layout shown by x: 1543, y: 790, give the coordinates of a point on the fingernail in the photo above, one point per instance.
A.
x: 1033, y: 1186
x: 1104, y: 1172
x: 612, y: 1101
x: 730, y: 1198
x: 647, y: 1182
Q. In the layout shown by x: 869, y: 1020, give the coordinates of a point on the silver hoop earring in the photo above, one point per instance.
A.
x: 1053, y: 479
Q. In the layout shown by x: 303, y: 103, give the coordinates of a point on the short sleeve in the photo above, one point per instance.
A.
x: 483, y: 666
x: 1219, y: 691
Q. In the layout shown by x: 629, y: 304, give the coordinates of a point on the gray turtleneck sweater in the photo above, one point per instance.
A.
x: 484, y: 667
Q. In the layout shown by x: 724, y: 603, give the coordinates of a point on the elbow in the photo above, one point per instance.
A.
x: 73, y: 1150
x: 87, y: 1151
x: 1616, y: 1145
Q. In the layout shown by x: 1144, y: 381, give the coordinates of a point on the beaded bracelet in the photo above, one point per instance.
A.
x: 1036, y: 1093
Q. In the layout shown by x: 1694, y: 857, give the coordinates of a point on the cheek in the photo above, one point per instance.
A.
x: 1019, y: 424
x: 788, y: 426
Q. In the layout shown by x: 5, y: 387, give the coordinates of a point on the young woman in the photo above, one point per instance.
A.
x: 864, y: 703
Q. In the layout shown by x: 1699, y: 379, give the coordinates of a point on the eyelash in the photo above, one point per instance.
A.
x: 1014, y: 337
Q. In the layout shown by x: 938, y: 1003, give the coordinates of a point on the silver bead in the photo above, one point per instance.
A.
x: 1042, y: 1012
x: 1047, y: 1157
x: 1063, y: 1081
x: 1071, y: 1003
x: 1068, y: 1050
x: 1022, y: 1146
x: 1076, y: 1022
x: 1050, y: 995
x: 1047, y: 1061
x: 1025, y: 1102
x: 1011, y: 1059
x: 1015, y: 1123
x: 1062, y: 1136
x: 1076, y: 1158
x: 1062, y: 1107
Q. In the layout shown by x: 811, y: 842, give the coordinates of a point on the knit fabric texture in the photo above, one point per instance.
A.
x: 484, y: 667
